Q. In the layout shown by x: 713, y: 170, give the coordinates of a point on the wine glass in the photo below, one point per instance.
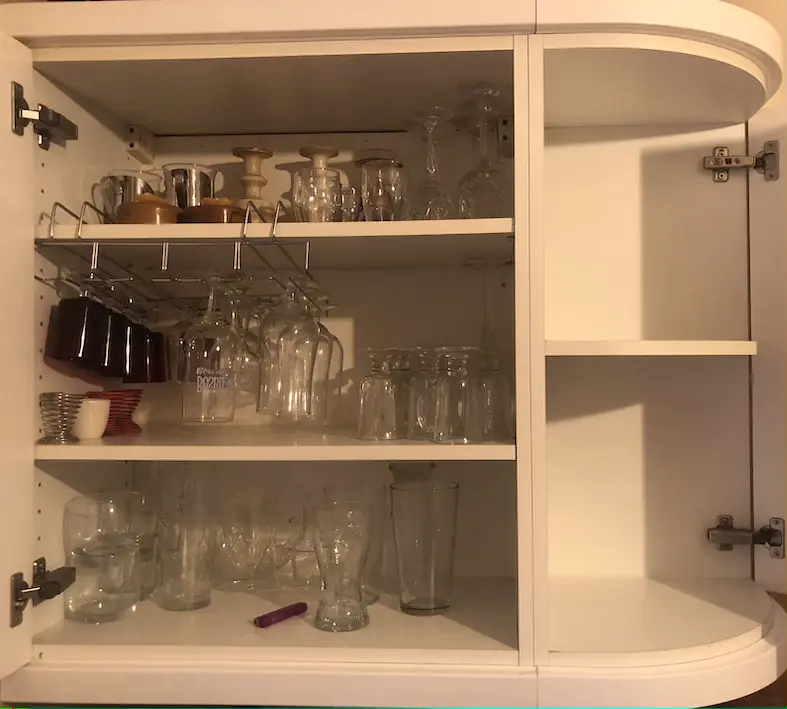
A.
x: 316, y: 195
x: 480, y: 193
x: 211, y: 361
x: 431, y: 200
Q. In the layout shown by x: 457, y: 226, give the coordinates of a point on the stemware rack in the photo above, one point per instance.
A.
x: 155, y: 281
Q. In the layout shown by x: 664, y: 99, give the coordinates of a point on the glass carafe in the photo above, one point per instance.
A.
x: 211, y: 363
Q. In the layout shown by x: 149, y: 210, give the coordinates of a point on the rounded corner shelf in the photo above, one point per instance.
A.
x: 616, y: 63
x: 650, y: 348
x: 617, y: 640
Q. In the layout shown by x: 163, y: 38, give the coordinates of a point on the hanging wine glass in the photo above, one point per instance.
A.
x: 480, y: 193
x: 211, y: 361
x: 431, y: 201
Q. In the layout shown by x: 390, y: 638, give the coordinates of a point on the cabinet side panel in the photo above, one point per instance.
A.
x: 16, y: 358
x: 68, y: 175
x: 640, y: 242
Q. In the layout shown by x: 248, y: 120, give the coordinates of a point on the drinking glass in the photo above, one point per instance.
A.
x: 431, y: 199
x: 211, y: 363
x: 458, y: 400
x: 316, y: 195
x: 384, y: 395
x: 184, y: 560
x: 296, y: 351
x: 496, y: 402
x: 375, y: 499
x: 101, y: 537
x: 238, y: 314
x: 422, y: 405
x: 384, y: 188
x: 244, y: 527
x: 480, y: 193
x: 350, y: 204
x: 341, y: 541
x: 285, y: 315
x: 424, y: 520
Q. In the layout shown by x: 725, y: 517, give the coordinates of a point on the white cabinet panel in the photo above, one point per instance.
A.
x: 17, y: 359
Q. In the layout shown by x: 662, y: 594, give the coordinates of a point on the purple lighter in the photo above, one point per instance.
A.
x: 267, y: 619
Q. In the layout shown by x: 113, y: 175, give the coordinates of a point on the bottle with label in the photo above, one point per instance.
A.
x: 210, y: 365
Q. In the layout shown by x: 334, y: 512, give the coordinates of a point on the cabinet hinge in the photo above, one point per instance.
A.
x: 766, y: 162
x: 46, y: 584
x: 50, y: 126
x: 725, y: 535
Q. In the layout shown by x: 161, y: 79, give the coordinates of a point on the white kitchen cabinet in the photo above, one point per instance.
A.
x: 620, y: 283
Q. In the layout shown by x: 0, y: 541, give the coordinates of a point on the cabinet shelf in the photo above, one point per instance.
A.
x: 638, y: 622
x: 453, y: 242
x: 650, y: 348
x: 255, y: 443
x: 480, y: 629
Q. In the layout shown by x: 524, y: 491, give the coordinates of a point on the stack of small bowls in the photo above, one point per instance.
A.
x: 58, y: 414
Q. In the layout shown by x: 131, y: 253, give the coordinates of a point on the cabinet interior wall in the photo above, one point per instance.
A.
x: 405, y: 304
x: 644, y: 453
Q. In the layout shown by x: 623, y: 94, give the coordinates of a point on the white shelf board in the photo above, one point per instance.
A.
x: 453, y: 242
x: 638, y: 622
x: 480, y: 628
x: 259, y: 443
x: 650, y: 348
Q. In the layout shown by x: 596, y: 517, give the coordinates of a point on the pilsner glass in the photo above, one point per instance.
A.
x: 341, y: 541
x: 424, y: 519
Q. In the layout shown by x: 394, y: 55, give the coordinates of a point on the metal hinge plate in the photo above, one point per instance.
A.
x: 726, y: 536
x: 46, y: 584
x: 766, y: 162
x: 50, y: 126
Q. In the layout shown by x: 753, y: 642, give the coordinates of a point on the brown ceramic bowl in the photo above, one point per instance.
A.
x: 147, y: 213
x: 212, y: 214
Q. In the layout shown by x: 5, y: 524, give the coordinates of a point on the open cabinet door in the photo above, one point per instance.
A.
x: 768, y: 223
x: 17, y: 356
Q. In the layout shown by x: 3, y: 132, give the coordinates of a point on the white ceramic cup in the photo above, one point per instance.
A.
x: 92, y: 419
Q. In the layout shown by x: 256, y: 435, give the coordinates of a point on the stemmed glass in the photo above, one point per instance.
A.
x: 211, y: 361
x: 431, y: 200
x: 480, y: 194
x: 287, y: 312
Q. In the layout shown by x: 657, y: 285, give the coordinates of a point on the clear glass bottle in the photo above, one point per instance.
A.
x: 211, y: 362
